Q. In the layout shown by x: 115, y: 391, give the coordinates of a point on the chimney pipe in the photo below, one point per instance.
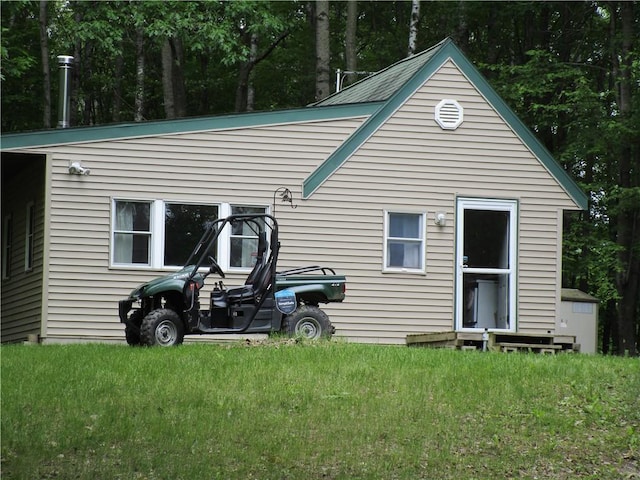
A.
x: 64, y: 100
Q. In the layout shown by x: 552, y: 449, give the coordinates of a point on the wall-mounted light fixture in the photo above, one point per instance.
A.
x: 440, y: 219
x: 76, y: 168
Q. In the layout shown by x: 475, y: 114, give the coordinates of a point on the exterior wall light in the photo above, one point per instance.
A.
x: 440, y: 219
x: 76, y: 168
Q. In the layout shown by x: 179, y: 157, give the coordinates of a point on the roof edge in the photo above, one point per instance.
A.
x: 44, y: 138
x: 565, y: 180
x: 447, y: 50
x: 368, y: 128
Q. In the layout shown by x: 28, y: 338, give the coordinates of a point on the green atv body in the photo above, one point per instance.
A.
x: 164, y: 310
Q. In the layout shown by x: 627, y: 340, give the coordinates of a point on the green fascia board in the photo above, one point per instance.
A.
x: 447, y: 50
x: 44, y: 138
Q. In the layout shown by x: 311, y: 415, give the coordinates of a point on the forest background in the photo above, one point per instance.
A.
x: 570, y: 71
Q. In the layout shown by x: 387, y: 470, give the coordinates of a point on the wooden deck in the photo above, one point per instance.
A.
x: 496, y: 341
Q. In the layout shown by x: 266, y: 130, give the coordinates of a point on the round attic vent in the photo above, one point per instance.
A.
x: 449, y: 114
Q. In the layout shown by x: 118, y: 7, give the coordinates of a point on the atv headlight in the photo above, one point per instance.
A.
x: 137, y: 294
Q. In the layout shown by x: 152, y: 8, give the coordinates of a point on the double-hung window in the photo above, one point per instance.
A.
x: 244, y: 240
x: 404, y: 242
x: 132, y: 233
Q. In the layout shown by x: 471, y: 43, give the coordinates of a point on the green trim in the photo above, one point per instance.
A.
x: 368, y: 128
x: 520, y: 129
x: 445, y: 51
x: 12, y: 141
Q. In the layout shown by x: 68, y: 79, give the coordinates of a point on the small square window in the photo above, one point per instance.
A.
x: 404, y: 242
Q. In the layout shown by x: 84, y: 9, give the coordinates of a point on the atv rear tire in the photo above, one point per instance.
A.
x: 308, y: 322
x: 162, y: 327
x: 132, y: 333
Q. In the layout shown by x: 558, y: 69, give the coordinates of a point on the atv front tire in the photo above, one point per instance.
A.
x: 308, y: 322
x: 162, y: 327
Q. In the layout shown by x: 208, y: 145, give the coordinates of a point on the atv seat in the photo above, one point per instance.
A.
x: 259, y: 278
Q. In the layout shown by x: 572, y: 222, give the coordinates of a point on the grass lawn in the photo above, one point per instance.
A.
x: 315, y: 411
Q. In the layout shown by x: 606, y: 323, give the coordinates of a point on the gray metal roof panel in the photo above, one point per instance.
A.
x: 381, y: 85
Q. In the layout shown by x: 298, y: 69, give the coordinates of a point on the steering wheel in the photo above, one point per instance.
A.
x: 215, y: 268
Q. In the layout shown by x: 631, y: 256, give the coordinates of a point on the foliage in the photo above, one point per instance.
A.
x: 315, y: 410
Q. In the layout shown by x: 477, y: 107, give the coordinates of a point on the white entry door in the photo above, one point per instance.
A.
x: 486, y: 232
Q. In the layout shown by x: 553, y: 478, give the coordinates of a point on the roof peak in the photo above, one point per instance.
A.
x: 381, y: 85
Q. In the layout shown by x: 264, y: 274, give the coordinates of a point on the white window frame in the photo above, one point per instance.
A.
x: 159, y: 216
x: 29, y: 236
x: 157, y: 234
x: 422, y: 240
x: 152, y: 233
x: 226, y: 238
x: 7, y: 240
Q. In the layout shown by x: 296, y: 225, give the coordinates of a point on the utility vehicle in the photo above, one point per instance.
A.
x: 169, y: 307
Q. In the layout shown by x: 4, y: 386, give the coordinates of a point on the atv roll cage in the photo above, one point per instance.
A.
x: 269, y: 301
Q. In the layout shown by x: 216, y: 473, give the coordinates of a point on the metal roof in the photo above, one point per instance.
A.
x: 380, y: 86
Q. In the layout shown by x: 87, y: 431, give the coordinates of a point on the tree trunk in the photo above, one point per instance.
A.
x: 253, y: 58
x: 175, y: 97
x: 350, y: 50
x: 245, y: 93
x: 244, y: 74
x: 116, y: 104
x: 323, y: 84
x: 180, y: 93
x: 628, y: 221
x: 167, y: 80
x: 46, y: 70
x: 413, y: 27
x: 138, y: 114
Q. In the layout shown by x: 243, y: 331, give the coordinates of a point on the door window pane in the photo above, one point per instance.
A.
x: 486, y: 301
x: 184, y: 224
x: 486, y: 238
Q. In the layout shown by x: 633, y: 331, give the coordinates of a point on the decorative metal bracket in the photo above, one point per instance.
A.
x: 285, y: 196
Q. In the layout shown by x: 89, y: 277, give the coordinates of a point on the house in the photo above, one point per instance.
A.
x: 418, y: 183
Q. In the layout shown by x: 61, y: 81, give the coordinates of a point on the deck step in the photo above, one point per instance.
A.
x: 496, y: 341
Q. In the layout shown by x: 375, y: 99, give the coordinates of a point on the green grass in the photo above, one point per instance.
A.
x: 315, y: 411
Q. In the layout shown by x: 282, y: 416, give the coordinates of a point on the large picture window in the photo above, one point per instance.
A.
x: 184, y: 224
x: 404, y: 242
x: 159, y: 234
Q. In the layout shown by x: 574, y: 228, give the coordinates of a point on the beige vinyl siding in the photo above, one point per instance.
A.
x: 22, y: 291
x: 240, y: 167
x: 411, y: 163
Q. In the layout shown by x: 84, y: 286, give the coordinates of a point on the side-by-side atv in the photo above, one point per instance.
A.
x: 169, y: 307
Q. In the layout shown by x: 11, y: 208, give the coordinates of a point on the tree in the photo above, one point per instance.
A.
x: 413, y: 27
x: 627, y: 195
x: 323, y: 54
x: 350, y: 41
x: 46, y: 71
